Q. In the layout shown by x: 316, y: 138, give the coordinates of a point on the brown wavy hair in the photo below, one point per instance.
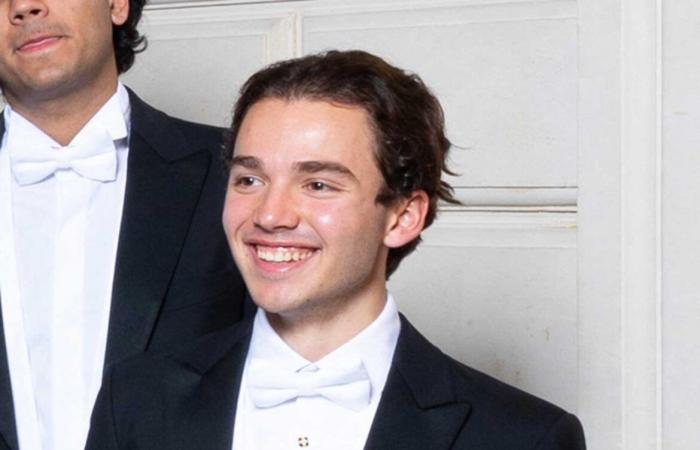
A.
x: 407, y: 120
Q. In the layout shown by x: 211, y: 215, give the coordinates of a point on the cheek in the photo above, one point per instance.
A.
x: 328, y: 214
x: 326, y: 219
x: 345, y: 220
x: 234, y: 211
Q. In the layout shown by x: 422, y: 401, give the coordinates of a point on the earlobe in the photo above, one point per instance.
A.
x: 119, y: 10
x: 408, y: 220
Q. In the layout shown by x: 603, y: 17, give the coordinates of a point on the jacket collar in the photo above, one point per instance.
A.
x: 218, y: 359
x: 424, y: 404
x: 158, y: 130
x: 205, y: 353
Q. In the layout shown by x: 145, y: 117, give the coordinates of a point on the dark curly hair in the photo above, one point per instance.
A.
x: 126, y: 38
x: 408, y: 121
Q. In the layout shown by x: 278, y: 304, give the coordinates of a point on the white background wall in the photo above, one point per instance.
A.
x: 570, y: 271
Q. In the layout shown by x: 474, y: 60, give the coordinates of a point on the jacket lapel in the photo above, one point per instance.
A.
x: 164, y: 180
x: 8, y: 435
x: 422, y: 406
x: 210, y: 414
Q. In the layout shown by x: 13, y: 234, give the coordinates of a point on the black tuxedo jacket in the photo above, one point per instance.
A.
x: 187, y: 401
x: 174, y: 278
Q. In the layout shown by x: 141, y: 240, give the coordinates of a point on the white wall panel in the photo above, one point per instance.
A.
x: 510, y: 312
x: 197, y: 59
x: 506, y: 75
x: 499, y: 293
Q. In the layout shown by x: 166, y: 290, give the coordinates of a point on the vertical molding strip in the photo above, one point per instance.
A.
x: 281, y: 41
x: 659, y: 222
x: 640, y: 223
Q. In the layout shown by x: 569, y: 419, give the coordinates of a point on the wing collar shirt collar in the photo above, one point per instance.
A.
x: 63, y: 231
x: 315, y: 420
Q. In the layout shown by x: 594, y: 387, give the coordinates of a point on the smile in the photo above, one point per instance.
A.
x: 282, y: 254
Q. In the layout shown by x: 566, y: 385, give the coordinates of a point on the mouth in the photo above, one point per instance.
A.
x: 37, y: 44
x: 280, y: 258
x: 282, y: 254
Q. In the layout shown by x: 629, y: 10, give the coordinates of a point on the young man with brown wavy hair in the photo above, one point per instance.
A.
x: 336, y: 165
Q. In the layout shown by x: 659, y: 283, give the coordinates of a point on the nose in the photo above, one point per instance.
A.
x: 276, y: 211
x: 23, y: 10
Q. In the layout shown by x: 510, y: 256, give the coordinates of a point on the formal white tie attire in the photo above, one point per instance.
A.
x: 66, y: 206
x: 286, y: 402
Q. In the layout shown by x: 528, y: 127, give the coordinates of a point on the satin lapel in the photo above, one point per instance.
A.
x: 211, y: 412
x: 8, y: 434
x: 421, y: 406
x: 164, y: 180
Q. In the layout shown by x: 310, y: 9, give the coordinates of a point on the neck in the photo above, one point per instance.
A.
x: 314, y: 333
x: 61, y: 117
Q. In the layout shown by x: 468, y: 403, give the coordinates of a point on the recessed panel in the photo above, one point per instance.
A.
x: 509, y: 312
x: 196, y: 79
x: 198, y: 58
x: 508, y: 84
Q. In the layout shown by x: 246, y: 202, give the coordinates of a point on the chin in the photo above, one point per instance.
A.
x: 270, y: 302
x: 51, y: 84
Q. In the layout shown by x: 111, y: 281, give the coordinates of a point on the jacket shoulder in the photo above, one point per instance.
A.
x: 157, y: 126
x: 197, y: 356
x: 139, y: 386
x: 501, y: 416
x: 507, y: 417
x: 199, y: 132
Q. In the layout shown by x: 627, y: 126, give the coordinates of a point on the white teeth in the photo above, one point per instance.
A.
x: 282, y: 254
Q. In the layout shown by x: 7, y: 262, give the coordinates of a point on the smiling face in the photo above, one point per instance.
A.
x: 50, y: 47
x: 300, y: 213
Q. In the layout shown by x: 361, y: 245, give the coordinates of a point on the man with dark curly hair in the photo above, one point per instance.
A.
x: 110, y: 218
x: 336, y: 167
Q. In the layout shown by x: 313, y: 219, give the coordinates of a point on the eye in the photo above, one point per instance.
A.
x: 318, y: 186
x: 321, y: 187
x: 244, y: 182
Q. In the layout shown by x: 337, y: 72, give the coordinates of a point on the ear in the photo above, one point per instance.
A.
x: 407, y: 220
x: 119, y: 11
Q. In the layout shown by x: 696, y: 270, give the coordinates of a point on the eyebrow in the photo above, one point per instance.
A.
x: 249, y: 162
x: 253, y: 163
x: 323, y: 166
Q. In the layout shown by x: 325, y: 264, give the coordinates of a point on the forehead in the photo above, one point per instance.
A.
x: 305, y: 129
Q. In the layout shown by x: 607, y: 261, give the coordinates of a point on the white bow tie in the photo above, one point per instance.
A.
x: 270, y: 385
x: 96, y: 161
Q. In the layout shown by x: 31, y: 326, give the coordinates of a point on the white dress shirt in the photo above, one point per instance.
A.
x: 57, y: 282
x: 315, y: 422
